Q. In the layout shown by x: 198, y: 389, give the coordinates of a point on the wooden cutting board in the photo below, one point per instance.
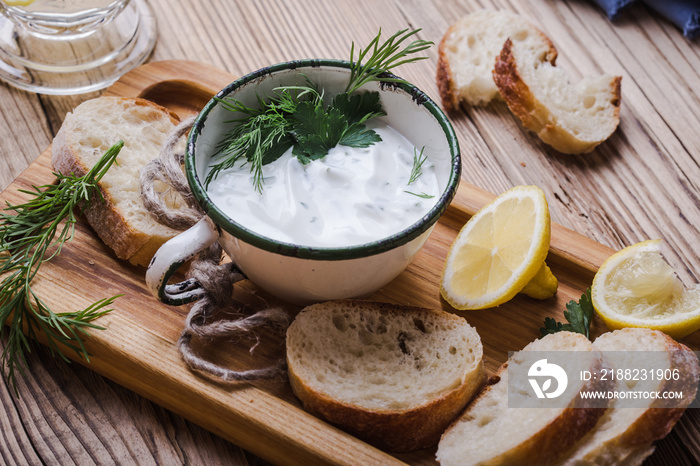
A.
x: 137, y: 349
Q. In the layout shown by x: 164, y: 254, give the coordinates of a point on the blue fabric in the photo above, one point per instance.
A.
x: 684, y: 14
x: 612, y: 8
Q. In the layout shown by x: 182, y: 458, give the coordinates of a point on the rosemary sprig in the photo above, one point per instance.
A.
x: 296, y: 116
x: 34, y: 234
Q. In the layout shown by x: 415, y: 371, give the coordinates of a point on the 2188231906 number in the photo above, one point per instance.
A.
x: 640, y: 374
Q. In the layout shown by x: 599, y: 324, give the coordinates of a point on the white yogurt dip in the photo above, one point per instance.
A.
x: 350, y: 197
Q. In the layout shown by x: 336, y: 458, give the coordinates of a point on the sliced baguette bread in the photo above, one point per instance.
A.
x: 467, y: 54
x: 393, y: 376
x: 573, y: 119
x: 492, y: 432
x: 625, y: 433
x: 122, y: 221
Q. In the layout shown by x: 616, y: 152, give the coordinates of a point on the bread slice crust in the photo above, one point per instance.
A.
x: 402, y: 429
x: 467, y: 53
x: 108, y: 221
x: 539, y: 117
x: 398, y: 431
x: 633, y: 444
x: 545, y: 445
x: 443, y: 77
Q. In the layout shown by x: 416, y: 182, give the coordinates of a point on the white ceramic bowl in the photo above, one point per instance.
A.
x: 296, y: 273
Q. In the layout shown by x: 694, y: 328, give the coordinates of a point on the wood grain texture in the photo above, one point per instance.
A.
x: 641, y: 184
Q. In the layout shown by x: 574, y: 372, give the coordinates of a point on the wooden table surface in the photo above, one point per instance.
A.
x: 643, y: 183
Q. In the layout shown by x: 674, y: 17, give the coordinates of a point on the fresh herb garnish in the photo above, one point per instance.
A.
x: 417, y: 171
x: 422, y: 195
x: 317, y: 129
x: 261, y: 136
x: 578, y: 314
x: 418, y: 161
x: 34, y: 234
x: 384, y: 58
x: 296, y: 116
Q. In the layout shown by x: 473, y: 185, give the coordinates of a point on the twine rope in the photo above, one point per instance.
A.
x: 215, y: 278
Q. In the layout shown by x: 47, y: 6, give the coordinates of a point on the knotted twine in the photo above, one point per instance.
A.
x: 215, y: 278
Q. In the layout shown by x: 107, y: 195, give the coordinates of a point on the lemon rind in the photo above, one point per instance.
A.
x: 676, y: 326
x: 531, y: 265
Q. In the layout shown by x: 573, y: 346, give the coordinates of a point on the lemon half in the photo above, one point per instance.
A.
x: 636, y: 287
x: 500, y: 252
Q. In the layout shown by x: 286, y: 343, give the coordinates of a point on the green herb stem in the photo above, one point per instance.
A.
x: 418, y: 161
x: 33, y: 235
x: 384, y: 57
x: 579, y: 316
x: 421, y: 195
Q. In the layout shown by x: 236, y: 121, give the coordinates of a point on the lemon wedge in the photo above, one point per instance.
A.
x: 636, y: 287
x: 500, y: 252
x: 18, y: 2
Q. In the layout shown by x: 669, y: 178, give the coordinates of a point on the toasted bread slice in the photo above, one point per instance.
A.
x: 393, y: 376
x: 625, y: 433
x: 573, y: 119
x: 492, y: 432
x: 467, y: 54
x: 122, y: 221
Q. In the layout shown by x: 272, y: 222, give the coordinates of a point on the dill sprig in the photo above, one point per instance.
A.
x: 263, y: 134
x: 384, y: 57
x: 296, y: 116
x: 421, y: 195
x: 418, y: 161
x: 417, y: 170
x: 29, y: 237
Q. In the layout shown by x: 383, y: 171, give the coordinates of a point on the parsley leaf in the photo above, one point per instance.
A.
x: 551, y: 326
x: 578, y: 314
x: 358, y: 108
x: 358, y: 136
x: 318, y: 129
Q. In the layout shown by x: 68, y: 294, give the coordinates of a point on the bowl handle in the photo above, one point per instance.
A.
x: 171, y: 255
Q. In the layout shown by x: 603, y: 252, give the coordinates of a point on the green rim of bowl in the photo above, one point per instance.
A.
x: 322, y: 253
